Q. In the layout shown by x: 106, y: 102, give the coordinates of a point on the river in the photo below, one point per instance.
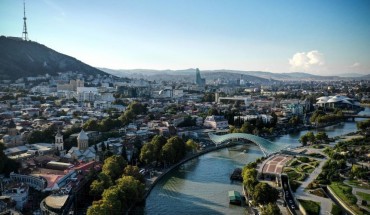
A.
x: 201, y: 185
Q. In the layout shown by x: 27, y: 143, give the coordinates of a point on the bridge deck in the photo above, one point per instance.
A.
x: 266, y: 146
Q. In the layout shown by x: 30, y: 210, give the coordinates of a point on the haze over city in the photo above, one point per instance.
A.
x: 318, y: 37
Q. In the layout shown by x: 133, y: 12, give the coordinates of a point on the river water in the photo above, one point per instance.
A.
x: 201, y: 185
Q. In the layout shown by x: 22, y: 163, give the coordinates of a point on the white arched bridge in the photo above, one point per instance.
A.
x: 266, y: 146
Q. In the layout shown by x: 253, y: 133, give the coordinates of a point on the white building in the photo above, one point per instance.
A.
x: 19, y: 193
x: 216, y: 122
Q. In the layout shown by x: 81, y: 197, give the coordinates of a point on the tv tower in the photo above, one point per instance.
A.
x: 24, y: 33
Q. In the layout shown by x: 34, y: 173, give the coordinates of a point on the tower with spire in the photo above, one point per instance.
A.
x: 59, y: 144
x: 24, y: 33
x: 82, y: 141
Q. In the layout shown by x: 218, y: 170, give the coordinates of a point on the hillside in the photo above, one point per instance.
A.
x: 20, y: 58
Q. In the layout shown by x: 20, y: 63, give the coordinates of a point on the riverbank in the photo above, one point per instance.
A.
x: 151, y: 182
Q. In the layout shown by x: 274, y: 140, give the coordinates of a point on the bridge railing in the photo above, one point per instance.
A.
x: 266, y: 146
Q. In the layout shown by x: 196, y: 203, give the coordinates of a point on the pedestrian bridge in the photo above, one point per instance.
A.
x: 266, y: 146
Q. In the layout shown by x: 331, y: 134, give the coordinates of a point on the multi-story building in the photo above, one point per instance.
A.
x: 216, y: 122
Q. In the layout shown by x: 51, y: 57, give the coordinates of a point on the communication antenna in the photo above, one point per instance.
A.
x: 24, y: 33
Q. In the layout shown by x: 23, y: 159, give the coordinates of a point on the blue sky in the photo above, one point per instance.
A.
x: 315, y: 36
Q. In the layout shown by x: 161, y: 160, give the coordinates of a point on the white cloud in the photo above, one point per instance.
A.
x: 312, y: 60
x: 355, y: 64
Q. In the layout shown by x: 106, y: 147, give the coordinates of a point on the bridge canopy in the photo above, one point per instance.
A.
x: 266, y: 146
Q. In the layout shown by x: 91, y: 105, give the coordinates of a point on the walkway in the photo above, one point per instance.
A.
x: 359, y: 198
x: 325, y: 203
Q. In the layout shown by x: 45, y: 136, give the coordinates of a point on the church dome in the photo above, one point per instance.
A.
x: 82, y: 136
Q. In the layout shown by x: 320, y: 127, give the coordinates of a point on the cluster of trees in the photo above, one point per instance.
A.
x: 42, y: 136
x: 188, y: 121
x: 162, y: 150
x: 330, y: 171
x: 104, y: 125
x: 254, y: 126
x: 208, y: 97
x: 295, y: 120
x: 320, y: 117
x: 7, y: 165
x: 107, y: 124
x: 174, y: 109
x: 311, y: 138
x: 261, y: 193
x: 270, y: 209
x: 118, y: 185
x: 363, y: 125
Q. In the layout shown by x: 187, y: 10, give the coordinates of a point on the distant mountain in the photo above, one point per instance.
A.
x: 187, y: 74
x: 246, y: 75
x: 351, y: 75
x: 365, y: 77
x: 20, y: 58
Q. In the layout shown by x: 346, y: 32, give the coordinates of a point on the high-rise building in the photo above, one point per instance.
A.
x: 198, y: 79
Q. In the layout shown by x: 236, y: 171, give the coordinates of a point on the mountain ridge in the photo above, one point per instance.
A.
x: 19, y: 59
x: 259, y: 74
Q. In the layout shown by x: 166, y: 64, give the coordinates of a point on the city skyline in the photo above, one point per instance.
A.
x: 317, y: 37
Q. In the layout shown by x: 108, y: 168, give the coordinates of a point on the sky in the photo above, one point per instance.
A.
x: 314, y: 36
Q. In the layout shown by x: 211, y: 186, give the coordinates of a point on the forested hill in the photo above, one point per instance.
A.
x: 20, y: 58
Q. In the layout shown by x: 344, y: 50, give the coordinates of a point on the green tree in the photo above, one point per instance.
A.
x: 191, y: 145
x: 132, y: 190
x: 263, y: 194
x: 158, y: 142
x: 212, y: 112
x: 134, y: 172
x: 137, y: 108
x: 270, y: 209
x: 124, y: 152
x: 113, y: 166
x: 303, y: 139
x: 100, y: 184
x: 147, y: 153
x: 310, y: 136
x: 249, y: 175
x: 168, y: 153
x: 91, y: 125
x: 7, y: 165
x: 179, y: 147
x: 102, y: 207
x: 322, y: 137
x: 113, y: 196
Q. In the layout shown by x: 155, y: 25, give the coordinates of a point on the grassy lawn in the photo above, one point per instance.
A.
x: 294, y: 185
x: 316, y: 155
x: 335, y: 210
x: 294, y: 163
x: 358, y: 184
x: 319, y: 192
x: 308, y: 169
x: 364, y: 196
x: 344, y: 192
x: 311, y: 207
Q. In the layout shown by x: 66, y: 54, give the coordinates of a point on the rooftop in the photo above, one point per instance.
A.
x: 56, y: 201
